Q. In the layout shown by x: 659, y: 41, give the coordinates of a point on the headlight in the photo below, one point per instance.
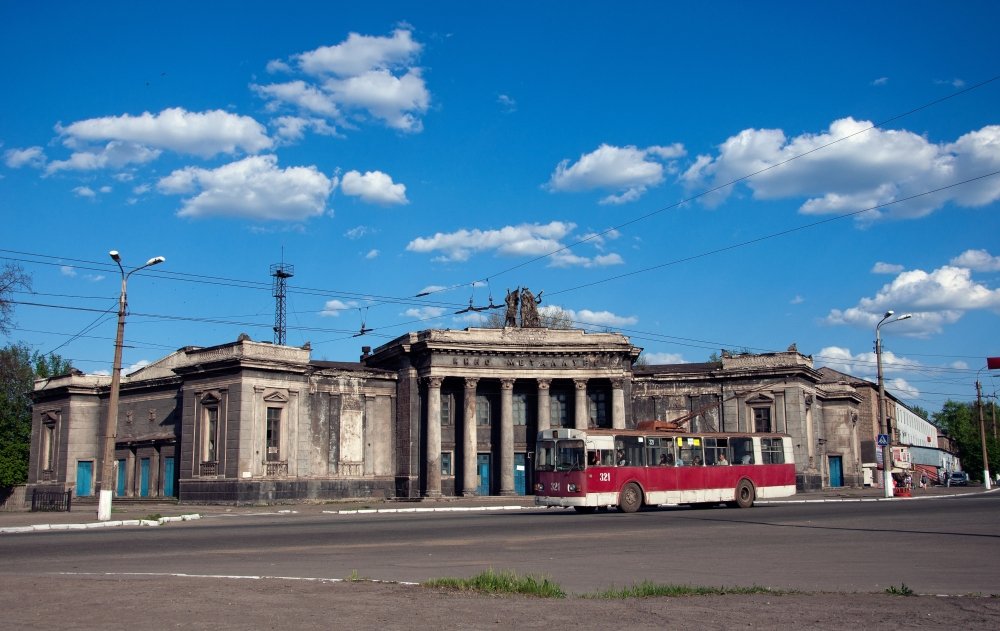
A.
x: 572, y: 488
x: 539, y: 487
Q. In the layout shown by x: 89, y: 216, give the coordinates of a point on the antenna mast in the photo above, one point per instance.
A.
x: 281, y: 273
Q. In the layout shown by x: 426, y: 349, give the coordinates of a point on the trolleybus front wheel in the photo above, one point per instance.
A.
x: 630, y: 498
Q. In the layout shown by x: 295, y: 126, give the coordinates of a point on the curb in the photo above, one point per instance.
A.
x: 452, y: 509
x: 98, y: 524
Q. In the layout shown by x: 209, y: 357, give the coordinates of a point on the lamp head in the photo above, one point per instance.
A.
x: 156, y: 260
x: 888, y: 314
x: 905, y: 316
x: 115, y: 256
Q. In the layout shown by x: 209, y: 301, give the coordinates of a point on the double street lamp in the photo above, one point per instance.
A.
x: 111, y: 422
x: 882, y: 415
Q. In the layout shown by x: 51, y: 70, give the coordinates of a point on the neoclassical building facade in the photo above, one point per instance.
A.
x: 429, y: 414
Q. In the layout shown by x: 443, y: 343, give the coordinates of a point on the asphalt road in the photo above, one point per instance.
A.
x: 942, y: 546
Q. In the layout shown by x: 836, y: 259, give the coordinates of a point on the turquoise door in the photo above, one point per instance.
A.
x: 836, y: 471
x: 120, y: 486
x: 84, y: 478
x: 519, y: 473
x: 144, y: 477
x: 168, y: 476
x: 483, y: 467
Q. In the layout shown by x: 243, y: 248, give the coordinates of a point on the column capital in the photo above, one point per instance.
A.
x: 618, y: 383
x: 543, y: 384
x: 434, y: 382
x: 471, y: 383
x: 581, y: 384
x: 507, y: 384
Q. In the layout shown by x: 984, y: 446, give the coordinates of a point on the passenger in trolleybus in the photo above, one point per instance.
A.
x: 722, y: 459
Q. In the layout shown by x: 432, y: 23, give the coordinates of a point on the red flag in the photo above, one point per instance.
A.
x: 993, y: 363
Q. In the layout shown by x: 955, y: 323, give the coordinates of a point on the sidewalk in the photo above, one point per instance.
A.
x: 155, y: 514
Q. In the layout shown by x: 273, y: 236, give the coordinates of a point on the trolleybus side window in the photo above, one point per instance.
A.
x: 569, y: 455
x: 546, y: 458
x: 716, y: 451
x: 772, y: 451
x: 742, y: 450
x: 629, y: 451
x: 659, y: 452
x: 689, y: 451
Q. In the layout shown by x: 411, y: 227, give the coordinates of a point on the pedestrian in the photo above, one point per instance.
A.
x: 923, y: 480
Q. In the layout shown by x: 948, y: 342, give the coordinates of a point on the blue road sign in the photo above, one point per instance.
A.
x: 883, y: 440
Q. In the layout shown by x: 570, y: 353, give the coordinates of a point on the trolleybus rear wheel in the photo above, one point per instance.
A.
x: 630, y: 498
x: 745, y: 494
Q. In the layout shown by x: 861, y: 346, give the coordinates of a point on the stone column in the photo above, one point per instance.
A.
x: 618, y: 403
x: 506, y: 437
x: 544, y: 406
x: 433, y: 455
x: 469, y: 474
x: 581, y: 413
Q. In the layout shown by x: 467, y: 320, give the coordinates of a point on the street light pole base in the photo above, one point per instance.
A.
x: 104, y: 506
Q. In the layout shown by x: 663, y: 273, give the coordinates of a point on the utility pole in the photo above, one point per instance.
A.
x: 982, y: 437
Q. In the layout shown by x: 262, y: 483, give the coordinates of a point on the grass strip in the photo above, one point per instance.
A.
x: 648, y: 589
x: 503, y: 582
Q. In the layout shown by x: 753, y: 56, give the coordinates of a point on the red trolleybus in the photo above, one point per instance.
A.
x: 649, y: 466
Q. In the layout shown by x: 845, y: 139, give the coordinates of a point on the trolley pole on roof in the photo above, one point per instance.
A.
x: 281, y: 273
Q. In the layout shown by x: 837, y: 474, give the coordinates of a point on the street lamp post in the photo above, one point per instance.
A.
x: 883, y: 418
x: 111, y: 421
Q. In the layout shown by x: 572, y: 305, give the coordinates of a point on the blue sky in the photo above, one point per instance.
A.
x: 582, y: 149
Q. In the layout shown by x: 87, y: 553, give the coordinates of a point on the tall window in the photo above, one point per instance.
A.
x: 762, y: 419
x: 598, y: 403
x: 48, y: 446
x: 210, y: 434
x: 520, y: 411
x: 445, y: 409
x: 483, y: 411
x: 559, y: 409
x: 273, y: 434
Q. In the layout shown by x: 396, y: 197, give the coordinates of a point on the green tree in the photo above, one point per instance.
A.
x: 961, y: 422
x: 19, y: 367
x: 12, y: 278
x: 921, y: 412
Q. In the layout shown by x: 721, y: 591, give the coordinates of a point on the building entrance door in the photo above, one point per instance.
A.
x: 519, y: 473
x: 84, y: 478
x: 483, y: 468
x: 144, y: 477
x: 168, y: 476
x: 836, y: 471
x: 120, y: 487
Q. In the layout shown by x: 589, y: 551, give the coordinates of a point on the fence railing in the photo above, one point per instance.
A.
x: 51, y: 501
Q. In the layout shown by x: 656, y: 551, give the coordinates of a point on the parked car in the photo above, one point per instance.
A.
x: 959, y: 478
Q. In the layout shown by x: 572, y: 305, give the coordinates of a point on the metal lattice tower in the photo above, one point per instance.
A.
x: 281, y: 273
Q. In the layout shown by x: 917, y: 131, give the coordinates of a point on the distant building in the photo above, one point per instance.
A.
x: 431, y: 413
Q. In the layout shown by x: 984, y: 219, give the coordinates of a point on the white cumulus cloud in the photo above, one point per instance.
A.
x: 935, y: 299
x: 520, y: 240
x: 203, y: 134
x: 252, y: 188
x: 862, y: 168
x: 363, y: 76
x: 977, y: 260
x: 31, y: 157
x: 373, y: 187
x: 629, y: 170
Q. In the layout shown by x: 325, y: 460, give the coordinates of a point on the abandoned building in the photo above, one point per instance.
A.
x: 428, y: 414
